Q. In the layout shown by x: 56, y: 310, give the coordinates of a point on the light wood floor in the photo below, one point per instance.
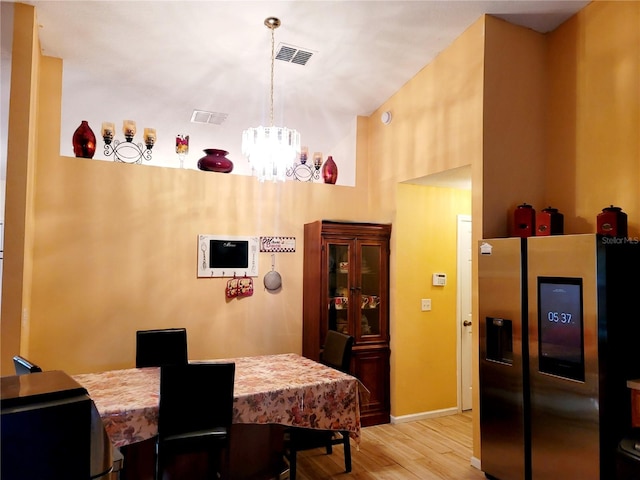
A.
x: 437, y: 448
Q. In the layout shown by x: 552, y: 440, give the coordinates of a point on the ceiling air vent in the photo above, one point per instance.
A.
x: 212, y: 118
x: 291, y: 54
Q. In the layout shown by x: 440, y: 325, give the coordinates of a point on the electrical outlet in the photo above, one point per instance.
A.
x: 426, y: 305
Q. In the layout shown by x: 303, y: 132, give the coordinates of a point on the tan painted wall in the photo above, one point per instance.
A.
x: 593, y: 158
x: 511, y: 171
x: 21, y: 153
x: 424, y: 368
x: 436, y: 126
x: 514, y: 112
x: 114, y: 250
x: 437, y: 120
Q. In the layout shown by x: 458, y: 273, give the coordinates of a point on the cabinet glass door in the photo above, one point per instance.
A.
x: 370, y: 307
x: 338, y: 288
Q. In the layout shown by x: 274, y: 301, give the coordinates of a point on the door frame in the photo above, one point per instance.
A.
x: 459, y: 330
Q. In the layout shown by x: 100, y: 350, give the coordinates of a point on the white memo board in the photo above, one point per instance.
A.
x: 227, y: 256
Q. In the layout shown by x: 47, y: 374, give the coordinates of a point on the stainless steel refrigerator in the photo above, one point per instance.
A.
x: 558, y: 322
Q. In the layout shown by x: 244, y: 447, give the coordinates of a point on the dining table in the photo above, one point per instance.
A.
x: 285, y: 390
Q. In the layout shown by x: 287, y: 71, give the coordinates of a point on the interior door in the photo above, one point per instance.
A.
x: 464, y: 311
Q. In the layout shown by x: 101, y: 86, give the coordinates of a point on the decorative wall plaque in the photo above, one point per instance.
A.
x: 278, y: 244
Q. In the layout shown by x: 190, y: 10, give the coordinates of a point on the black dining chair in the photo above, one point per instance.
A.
x: 158, y: 348
x: 336, y: 354
x: 337, y: 351
x: 195, y: 413
x: 24, y: 366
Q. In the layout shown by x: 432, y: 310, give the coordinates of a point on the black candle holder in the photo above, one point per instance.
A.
x: 303, y: 171
x: 127, y: 152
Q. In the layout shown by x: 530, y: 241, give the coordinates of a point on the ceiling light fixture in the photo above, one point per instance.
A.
x: 271, y: 150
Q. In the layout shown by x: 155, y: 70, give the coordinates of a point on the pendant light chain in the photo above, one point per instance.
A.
x: 272, y: 67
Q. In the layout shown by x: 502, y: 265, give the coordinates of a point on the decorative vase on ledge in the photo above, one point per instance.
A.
x: 84, y: 141
x: 215, y: 161
x: 330, y: 171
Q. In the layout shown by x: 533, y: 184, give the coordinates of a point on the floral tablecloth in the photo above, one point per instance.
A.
x: 285, y: 389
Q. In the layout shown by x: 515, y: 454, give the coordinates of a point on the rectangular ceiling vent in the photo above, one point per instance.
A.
x: 291, y: 54
x: 212, y: 118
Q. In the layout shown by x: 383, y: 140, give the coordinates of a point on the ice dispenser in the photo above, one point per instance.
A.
x: 499, y: 340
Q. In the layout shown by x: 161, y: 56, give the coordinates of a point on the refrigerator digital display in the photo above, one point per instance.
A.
x: 560, y: 327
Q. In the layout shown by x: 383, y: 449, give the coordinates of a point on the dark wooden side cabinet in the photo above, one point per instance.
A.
x: 346, y: 288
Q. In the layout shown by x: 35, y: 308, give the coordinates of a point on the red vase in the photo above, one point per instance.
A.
x: 330, y: 171
x: 215, y: 161
x: 84, y: 141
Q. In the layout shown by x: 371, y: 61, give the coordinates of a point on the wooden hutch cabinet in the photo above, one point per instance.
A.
x: 346, y: 288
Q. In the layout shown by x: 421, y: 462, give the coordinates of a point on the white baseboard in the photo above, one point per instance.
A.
x: 421, y: 416
x: 475, y: 462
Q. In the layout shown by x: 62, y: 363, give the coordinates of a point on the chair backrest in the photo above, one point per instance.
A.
x: 157, y: 348
x: 195, y: 397
x: 24, y: 366
x: 337, y: 350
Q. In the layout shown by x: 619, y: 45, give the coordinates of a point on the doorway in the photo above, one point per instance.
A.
x: 464, y: 314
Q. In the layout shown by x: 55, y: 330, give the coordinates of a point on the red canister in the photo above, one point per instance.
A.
x: 612, y: 222
x: 524, y: 221
x: 549, y: 222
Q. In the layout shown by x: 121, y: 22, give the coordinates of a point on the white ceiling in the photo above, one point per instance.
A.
x: 177, y: 56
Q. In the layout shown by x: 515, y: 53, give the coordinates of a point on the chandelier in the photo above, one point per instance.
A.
x: 271, y: 150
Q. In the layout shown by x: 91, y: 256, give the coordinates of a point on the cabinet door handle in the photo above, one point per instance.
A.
x: 467, y: 323
x: 354, y: 288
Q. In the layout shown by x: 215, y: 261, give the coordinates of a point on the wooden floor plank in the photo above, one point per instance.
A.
x: 432, y: 449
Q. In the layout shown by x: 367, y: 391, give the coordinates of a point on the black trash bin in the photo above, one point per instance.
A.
x: 628, y: 457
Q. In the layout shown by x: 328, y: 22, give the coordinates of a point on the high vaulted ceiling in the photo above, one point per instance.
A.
x: 176, y: 56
